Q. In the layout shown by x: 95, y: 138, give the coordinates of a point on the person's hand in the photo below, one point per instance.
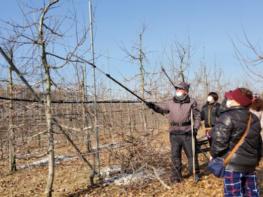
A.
x: 151, y: 105
x: 195, y: 131
x: 208, y: 132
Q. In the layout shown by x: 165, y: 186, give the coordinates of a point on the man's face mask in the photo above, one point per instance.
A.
x: 210, y: 99
x: 180, y: 93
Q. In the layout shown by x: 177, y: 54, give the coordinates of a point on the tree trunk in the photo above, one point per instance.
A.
x: 12, y: 155
x: 51, y: 162
x: 96, y: 129
x: 84, y: 117
x: 141, y: 57
x: 48, y: 82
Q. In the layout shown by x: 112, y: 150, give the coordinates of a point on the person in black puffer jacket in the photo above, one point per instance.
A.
x: 209, y: 113
x: 240, y: 176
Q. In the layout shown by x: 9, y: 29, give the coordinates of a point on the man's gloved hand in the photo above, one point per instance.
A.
x: 151, y: 105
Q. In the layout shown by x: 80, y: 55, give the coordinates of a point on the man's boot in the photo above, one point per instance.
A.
x: 174, y: 179
x: 197, y: 178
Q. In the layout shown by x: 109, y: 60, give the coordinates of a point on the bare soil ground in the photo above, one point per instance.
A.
x: 71, y: 180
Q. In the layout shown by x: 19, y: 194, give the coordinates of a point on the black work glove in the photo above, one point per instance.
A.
x: 151, y: 105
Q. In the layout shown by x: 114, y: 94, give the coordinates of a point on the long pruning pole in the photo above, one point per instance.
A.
x: 165, y: 73
x: 112, y: 78
x: 193, y: 142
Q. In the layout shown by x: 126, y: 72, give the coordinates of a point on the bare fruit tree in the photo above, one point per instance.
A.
x: 42, y: 41
x: 250, y: 57
x: 140, y: 58
x: 46, y: 53
x: 207, y: 79
x: 178, y: 60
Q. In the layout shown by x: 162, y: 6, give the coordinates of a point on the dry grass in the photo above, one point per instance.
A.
x: 71, y: 178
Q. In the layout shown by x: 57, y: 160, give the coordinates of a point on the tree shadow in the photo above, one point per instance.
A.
x: 81, y: 192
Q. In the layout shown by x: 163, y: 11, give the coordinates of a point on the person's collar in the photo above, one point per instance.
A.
x: 235, y: 108
x: 186, y: 100
x: 211, y: 104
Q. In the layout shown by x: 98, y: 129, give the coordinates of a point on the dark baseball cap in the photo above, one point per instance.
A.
x: 183, y: 85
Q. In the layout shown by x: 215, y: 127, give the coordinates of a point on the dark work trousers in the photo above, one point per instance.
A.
x: 179, y: 142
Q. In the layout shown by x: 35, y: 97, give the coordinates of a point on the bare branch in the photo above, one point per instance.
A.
x: 52, y: 31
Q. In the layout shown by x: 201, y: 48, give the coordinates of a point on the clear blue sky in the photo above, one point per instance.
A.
x: 209, y: 24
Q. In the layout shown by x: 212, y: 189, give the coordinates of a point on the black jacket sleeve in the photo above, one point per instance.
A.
x: 203, y: 113
x: 197, y: 116
x: 218, y: 108
x: 260, y: 149
x: 221, y: 134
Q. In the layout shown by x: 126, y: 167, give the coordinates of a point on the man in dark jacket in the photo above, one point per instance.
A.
x: 240, y: 177
x: 178, y: 111
x: 210, y: 112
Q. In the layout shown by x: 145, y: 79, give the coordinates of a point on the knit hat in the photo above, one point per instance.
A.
x: 183, y: 85
x: 214, y: 95
x: 239, y: 96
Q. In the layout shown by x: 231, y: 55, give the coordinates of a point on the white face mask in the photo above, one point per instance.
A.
x: 231, y: 103
x: 228, y: 103
x: 179, y: 94
x: 210, y: 99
